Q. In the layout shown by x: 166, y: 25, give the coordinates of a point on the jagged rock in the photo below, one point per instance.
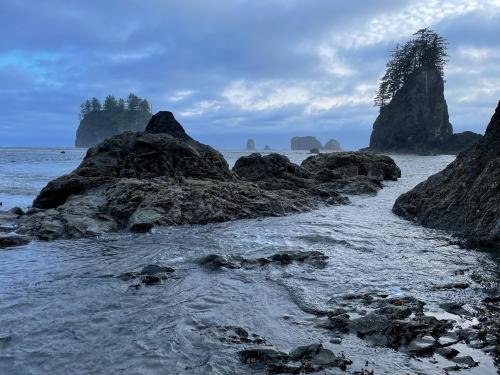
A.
x: 332, y: 145
x: 16, y: 211
x: 135, y: 181
x: 250, y: 145
x: 305, y: 143
x: 465, y: 197
x: 416, y: 120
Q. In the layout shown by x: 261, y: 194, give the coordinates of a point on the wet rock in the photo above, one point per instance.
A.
x: 17, y: 211
x: 465, y: 362
x: 314, y: 151
x: 422, y: 347
x: 214, y: 261
x: 465, y: 196
x: 136, y: 181
x: 454, y: 308
x: 233, y: 335
x: 447, y: 352
x: 303, y: 359
x: 13, y: 240
x: 149, y: 275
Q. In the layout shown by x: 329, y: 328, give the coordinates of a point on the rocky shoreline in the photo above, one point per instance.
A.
x: 135, y: 181
x: 465, y: 197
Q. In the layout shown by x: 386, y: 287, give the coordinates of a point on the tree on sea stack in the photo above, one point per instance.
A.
x: 426, y: 50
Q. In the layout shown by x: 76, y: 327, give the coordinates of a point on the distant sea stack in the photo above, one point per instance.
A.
x: 464, y: 197
x: 99, y: 122
x: 305, y: 143
x: 267, y: 148
x: 413, y: 111
x: 250, y: 145
x: 332, y: 145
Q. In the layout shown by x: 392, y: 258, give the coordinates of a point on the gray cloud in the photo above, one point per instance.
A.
x: 267, y: 69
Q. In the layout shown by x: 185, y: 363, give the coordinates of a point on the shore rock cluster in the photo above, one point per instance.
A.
x: 416, y: 120
x: 464, y: 197
x: 134, y: 181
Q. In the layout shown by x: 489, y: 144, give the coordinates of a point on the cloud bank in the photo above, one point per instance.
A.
x: 234, y: 69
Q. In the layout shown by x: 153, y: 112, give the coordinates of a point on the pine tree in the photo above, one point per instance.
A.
x: 110, y: 103
x: 133, y: 102
x: 144, y: 106
x: 95, y: 105
x: 426, y: 50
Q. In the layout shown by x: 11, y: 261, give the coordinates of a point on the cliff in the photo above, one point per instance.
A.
x: 95, y: 127
x: 464, y: 197
x: 305, y: 143
x: 416, y: 120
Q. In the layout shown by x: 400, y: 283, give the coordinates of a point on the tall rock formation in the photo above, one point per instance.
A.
x: 416, y: 120
x: 305, y: 143
x: 332, y: 145
x: 250, y: 145
x: 464, y: 197
x: 97, y: 126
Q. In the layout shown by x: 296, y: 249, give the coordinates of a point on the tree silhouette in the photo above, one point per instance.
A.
x: 426, y: 50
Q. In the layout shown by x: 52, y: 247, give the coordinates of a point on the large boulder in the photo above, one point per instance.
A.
x: 305, y: 143
x: 416, y: 120
x: 464, y: 197
x: 135, y: 181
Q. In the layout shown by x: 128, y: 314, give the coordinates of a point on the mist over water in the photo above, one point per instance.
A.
x: 62, y: 310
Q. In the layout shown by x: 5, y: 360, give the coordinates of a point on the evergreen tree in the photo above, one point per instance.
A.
x: 144, y: 106
x: 95, y: 105
x: 426, y: 50
x: 133, y: 102
x: 121, y: 105
x: 110, y: 103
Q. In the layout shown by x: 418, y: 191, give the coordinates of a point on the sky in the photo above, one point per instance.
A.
x: 234, y: 69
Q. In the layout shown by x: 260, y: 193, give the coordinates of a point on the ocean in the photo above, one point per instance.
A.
x: 62, y: 310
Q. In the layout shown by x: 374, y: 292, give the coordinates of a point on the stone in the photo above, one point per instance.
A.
x: 13, y: 240
x: 447, y: 352
x: 416, y: 120
x: 16, y: 211
x: 464, y: 198
x: 137, y: 181
x: 305, y: 143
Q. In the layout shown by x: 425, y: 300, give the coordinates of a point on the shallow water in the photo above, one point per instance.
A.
x: 61, y: 311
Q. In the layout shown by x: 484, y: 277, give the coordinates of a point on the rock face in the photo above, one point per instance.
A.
x: 134, y: 181
x: 250, y: 145
x: 305, y: 143
x: 416, y: 120
x: 464, y: 197
x: 332, y: 145
x: 97, y: 126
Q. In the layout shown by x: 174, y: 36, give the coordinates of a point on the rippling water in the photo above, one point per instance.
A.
x: 61, y: 311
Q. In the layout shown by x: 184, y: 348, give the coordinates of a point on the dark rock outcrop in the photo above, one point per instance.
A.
x: 332, y: 145
x: 135, y: 181
x: 250, y: 145
x: 97, y: 126
x: 464, y: 197
x: 416, y: 120
x: 305, y: 143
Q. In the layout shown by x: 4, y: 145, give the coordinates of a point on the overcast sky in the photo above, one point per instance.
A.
x: 233, y: 69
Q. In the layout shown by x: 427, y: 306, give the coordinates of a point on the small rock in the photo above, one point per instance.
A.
x: 13, y: 240
x: 16, y: 211
x: 150, y: 280
x: 447, y: 353
x: 466, y: 361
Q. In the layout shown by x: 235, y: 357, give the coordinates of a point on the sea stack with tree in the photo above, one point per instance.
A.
x: 413, y: 114
x: 114, y: 116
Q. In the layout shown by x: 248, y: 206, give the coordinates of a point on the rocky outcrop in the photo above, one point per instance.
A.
x: 464, y: 197
x: 162, y: 176
x: 97, y: 126
x: 332, y: 145
x: 250, y: 145
x: 305, y: 143
x: 416, y: 120
x: 267, y: 148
